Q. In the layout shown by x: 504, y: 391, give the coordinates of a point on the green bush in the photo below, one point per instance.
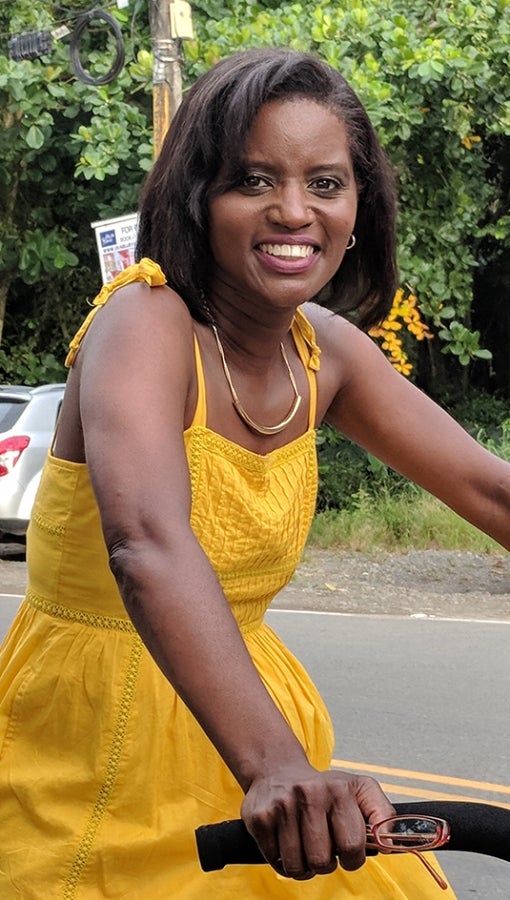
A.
x: 479, y: 412
x: 346, y: 472
x: 500, y: 442
x: 349, y: 475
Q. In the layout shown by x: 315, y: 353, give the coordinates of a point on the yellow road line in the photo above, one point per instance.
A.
x: 423, y: 794
x: 421, y: 776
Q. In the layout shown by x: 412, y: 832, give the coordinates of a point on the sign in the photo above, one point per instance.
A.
x: 116, y: 241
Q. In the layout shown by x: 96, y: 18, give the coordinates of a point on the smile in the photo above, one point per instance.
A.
x: 287, y: 251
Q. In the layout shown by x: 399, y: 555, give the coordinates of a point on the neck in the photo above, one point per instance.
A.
x: 251, y: 334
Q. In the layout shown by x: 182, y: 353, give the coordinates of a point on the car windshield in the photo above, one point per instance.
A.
x: 10, y: 411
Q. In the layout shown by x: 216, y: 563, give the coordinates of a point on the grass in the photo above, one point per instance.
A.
x: 398, y: 523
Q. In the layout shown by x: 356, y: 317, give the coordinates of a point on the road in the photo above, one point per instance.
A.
x: 423, y: 705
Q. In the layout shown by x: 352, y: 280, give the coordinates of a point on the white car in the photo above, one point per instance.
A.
x: 28, y: 416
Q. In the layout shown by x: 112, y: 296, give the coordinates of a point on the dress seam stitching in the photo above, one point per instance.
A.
x: 111, y: 772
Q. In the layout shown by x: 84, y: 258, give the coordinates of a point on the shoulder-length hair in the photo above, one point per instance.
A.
x: 209, y: 132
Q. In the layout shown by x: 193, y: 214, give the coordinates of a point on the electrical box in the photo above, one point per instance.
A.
x: 181, y: 24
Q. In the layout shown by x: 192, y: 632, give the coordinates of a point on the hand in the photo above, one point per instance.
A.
x: 302, y: 819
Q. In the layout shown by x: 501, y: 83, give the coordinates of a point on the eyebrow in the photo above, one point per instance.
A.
x: 337, y: 167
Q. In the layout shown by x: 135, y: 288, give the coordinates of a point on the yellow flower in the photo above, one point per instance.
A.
x: 470, y: 139
x: 404, y: 308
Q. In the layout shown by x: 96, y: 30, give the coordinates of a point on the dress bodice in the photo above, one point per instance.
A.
x: 251, y: 513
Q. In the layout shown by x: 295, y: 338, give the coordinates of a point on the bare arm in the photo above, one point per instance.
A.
x: 136, y: 373
x: 391, y: 418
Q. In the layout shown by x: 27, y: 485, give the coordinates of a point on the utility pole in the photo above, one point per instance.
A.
x: 170, y: 22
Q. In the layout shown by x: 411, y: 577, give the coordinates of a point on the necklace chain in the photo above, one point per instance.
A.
x: 241, y: 412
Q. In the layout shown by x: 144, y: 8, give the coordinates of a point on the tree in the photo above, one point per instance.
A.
x: 435, y: 81
x: 70, y: 153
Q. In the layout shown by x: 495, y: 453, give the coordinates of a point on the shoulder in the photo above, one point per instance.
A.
x: 139, y: 343
x: 139, y: 290
x: 138, y: 314
x: 351, y: 363
x: 334, y: 333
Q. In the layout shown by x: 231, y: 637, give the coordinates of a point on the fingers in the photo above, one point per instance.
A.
x: 348, y: 828
x: 306, y: 848
x: 372, y: 801
x: 307, y: 828
x: 297, y: 847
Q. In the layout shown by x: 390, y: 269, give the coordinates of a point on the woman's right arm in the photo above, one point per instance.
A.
x: 136, y: 385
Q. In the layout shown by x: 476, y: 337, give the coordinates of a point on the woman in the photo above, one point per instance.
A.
x: 142, y: 694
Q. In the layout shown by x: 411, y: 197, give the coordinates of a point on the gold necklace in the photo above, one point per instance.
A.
x: 241, y: 412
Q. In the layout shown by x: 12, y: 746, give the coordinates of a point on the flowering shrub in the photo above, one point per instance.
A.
x: 404, y: 314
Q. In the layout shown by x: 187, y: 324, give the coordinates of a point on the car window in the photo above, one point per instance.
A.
x: 10, y: 411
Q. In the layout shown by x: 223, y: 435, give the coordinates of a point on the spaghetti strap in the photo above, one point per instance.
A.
x: 309, y: 353
x: 200, y: 415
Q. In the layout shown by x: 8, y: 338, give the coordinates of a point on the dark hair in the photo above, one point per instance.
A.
x: 209, y: 132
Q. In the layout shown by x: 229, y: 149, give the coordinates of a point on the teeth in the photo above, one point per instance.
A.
x: 291, y: 251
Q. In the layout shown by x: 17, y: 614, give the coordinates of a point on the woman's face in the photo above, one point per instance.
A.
x: 279, y: 235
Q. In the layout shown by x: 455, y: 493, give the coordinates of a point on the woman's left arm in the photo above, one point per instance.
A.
x: 386, y: 414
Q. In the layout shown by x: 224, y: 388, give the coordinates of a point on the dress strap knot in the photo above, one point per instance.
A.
x: 308, y: 334
x: 146, y: 270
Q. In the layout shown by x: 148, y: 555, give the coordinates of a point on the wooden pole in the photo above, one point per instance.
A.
x: 167, y: 80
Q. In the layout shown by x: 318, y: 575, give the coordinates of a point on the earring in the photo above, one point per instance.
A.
x: 352, y: 241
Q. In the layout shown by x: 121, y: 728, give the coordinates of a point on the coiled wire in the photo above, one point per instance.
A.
x: 74, y: 47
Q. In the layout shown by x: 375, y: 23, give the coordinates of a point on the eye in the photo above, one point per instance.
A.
x: 254, y: 183
x: 326, y: 184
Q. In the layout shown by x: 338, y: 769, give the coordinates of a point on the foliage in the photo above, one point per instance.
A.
x: 349, y: 475
x: 479, y: 412
x: 23, y: 364
x: 411, y: 520
x: 436, y: 83
x: 345, y: 470
x: 498, y: 443
x: 70, y: 154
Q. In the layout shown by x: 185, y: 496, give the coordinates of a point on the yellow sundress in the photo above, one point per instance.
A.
x: 104, y: 773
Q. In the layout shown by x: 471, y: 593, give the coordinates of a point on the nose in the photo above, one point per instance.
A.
x: 290, y: 207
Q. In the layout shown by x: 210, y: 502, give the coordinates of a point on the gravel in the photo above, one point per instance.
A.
x: 442, y: 583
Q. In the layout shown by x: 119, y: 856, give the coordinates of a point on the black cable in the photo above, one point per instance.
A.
x: 74, y: 47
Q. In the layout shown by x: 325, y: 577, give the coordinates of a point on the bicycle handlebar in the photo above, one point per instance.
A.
x: 475, y: 827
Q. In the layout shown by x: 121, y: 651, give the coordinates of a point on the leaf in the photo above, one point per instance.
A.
x: 34, y: 137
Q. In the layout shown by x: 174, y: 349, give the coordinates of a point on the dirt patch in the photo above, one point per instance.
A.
x: 13, y: 575
x: 428, y: 583
x: 420, y: 583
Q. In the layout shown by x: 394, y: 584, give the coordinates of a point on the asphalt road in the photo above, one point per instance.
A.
x: 423, y: 705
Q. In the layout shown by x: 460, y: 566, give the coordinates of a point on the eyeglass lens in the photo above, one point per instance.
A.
x: 409, y: 833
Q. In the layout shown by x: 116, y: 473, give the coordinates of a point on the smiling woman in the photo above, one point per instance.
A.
x: 140, y: 673
x: 291, y: 213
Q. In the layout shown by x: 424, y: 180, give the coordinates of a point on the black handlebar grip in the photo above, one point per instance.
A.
x: 225, y: 844
x: 475, y: 827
